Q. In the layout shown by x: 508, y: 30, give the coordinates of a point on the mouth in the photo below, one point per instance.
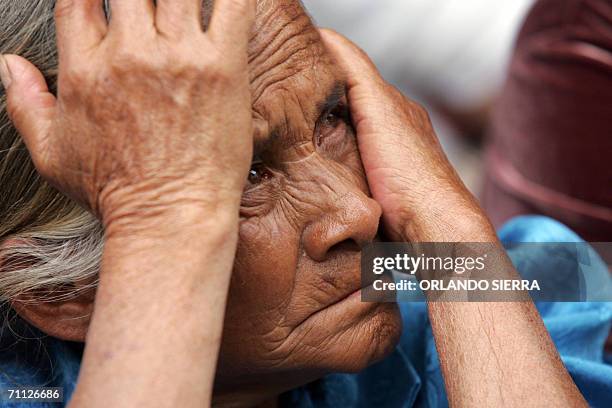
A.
x: 349, y: 304
x: 353, y: 296
x: 357, y: 293
x: 349, y: 301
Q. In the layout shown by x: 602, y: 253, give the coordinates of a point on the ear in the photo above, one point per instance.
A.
x: 64, y: 317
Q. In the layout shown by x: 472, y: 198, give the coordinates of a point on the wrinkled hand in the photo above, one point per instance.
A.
x: 151, y: 111
x: 422, y: 197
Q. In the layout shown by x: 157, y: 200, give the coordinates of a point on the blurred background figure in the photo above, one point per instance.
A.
x: 534, y: 77
x: 551, y: 132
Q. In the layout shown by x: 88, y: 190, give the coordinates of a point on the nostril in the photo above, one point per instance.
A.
x: 349, y: 226
x: 381, y: 233
x: 346, y: 245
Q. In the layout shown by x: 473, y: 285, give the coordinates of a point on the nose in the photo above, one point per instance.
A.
x: 351, y: 222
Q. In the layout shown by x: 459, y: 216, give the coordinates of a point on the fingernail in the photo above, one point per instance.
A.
x: 5, y: 73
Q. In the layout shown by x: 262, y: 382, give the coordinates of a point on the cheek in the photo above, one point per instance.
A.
x: 355, y: 166
x: 341, y: 148
x: 260, y: 293
x: 264, y: 267
x: 352, y: 160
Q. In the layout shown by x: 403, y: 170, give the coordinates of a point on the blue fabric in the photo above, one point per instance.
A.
x: 410, y: 376
x: 28, y: 358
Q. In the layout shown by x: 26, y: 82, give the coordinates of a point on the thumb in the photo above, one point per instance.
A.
x: 29, y: 104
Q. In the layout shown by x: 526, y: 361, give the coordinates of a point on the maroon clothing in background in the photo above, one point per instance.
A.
x: 550, y: 148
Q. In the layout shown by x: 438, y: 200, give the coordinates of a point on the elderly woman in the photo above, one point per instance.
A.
x: 216, y: 283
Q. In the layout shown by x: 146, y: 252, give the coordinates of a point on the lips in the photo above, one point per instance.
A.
x: 342, y: 272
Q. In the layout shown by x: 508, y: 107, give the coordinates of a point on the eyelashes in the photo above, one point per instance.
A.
x: 259, y: 190
x: 258, y: 172
x: 332, y: 123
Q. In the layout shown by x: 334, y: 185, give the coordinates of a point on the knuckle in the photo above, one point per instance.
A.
x: 420, y: 111
x: 63, y: 8
x: 216, y: 68
x: 219, y: 73
x: 208, y: 70
x: 396, y: 97
x: 393, y: 91
x: 73, y: 85
x: 127, y: 60
x: 417, y: 112
x: 72, y: 78
x: 14, y: 109
x: 364, y: 57
x: 43, y: 165
x: 238, y: 8
x: 126, y: 64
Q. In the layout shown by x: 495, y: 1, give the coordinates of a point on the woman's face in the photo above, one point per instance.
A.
x: 294, y: 309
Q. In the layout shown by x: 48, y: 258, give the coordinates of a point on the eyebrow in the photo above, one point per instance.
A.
x: 334, y: 97
x: 263, y: 144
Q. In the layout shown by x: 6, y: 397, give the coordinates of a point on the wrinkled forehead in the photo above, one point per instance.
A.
x: 291, y: 73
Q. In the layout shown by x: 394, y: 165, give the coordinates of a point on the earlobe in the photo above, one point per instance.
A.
x: 62, y: 313
x: 64, y: 319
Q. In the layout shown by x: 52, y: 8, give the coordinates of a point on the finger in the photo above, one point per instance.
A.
x: 30, y: 105
x: 183, y: 16
x: 352, y: 59
x: 79, y: 24
x: 371, y: 108
x: 367, y: 90
x: 231, y: 23
x: 133, y: 16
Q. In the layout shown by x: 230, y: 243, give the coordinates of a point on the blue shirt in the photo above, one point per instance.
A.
x: 410, y: 376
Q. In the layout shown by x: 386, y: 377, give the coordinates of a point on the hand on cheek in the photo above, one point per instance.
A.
x: 422, y: 196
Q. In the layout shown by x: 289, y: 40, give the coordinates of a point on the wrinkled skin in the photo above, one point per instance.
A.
x: 294, y: 310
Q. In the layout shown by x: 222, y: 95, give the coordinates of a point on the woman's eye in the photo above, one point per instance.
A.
x: 258, y: 173
x: 332, y: 123
x: 331, y: 119
x: 258, y: 195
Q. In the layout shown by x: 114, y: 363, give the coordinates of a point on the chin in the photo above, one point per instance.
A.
x: 362, y: 335
x: 345, y: 338
x: 379, y: 334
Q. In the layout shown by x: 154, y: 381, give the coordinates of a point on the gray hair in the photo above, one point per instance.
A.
x: 47, y: 242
